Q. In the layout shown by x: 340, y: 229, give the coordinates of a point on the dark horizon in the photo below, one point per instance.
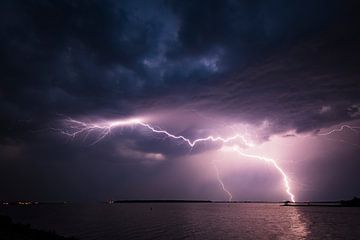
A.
x: 113, y: 201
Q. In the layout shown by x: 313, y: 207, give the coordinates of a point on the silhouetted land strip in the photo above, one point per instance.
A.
x: 12, y: 231
x: 186, y: 201
x: 162, y: 201
x: 246, y: 201
x: 25, y: 203
x: 355, y: 202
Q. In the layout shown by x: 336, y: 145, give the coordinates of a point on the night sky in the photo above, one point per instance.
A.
x: 281, y: 72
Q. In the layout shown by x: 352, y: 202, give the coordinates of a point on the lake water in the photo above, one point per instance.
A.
x: 190, y: 221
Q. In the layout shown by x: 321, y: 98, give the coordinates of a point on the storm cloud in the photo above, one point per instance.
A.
x: 291, y: 65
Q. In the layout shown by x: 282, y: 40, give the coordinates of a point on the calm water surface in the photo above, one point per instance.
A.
x: 191, y: 221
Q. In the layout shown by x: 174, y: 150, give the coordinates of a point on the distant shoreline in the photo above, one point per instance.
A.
x: 161, y: 201
x: 353, y: 202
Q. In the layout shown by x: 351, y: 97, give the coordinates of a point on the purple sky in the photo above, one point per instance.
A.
x: 278, y: 73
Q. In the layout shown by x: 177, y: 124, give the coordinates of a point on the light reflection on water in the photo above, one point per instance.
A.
x: 191, y: 221
x: 298, y: 225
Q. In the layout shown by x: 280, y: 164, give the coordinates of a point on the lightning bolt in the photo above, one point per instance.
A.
x: 75, y: 128
x: 221, y: 183
x: 354, y: 129
x: 273, y: 162
x: 193, y: 143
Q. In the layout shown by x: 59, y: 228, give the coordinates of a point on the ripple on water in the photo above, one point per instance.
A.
x: 191, y: 221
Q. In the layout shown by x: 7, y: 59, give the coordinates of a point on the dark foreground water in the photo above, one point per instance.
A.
x: 190, y: 221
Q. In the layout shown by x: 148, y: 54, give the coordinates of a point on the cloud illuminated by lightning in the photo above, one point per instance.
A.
x: 355, y: 129
x: 74, y: 128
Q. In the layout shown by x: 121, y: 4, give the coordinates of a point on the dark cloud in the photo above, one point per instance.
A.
x: 291, y: 64
x: 247, y: 29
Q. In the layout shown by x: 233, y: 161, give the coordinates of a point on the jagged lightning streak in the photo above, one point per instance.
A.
x: 193, y: 143
x: 221, y: 183
x: 273, y: 162
x: 355, y: 129
x: 75, y: 128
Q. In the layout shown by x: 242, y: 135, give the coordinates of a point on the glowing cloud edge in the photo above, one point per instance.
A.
x: 74, y: 128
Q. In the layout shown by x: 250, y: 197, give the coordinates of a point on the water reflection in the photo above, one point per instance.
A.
x: 191, y: 221
x: 330, y: 222
x: 299, y: 226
